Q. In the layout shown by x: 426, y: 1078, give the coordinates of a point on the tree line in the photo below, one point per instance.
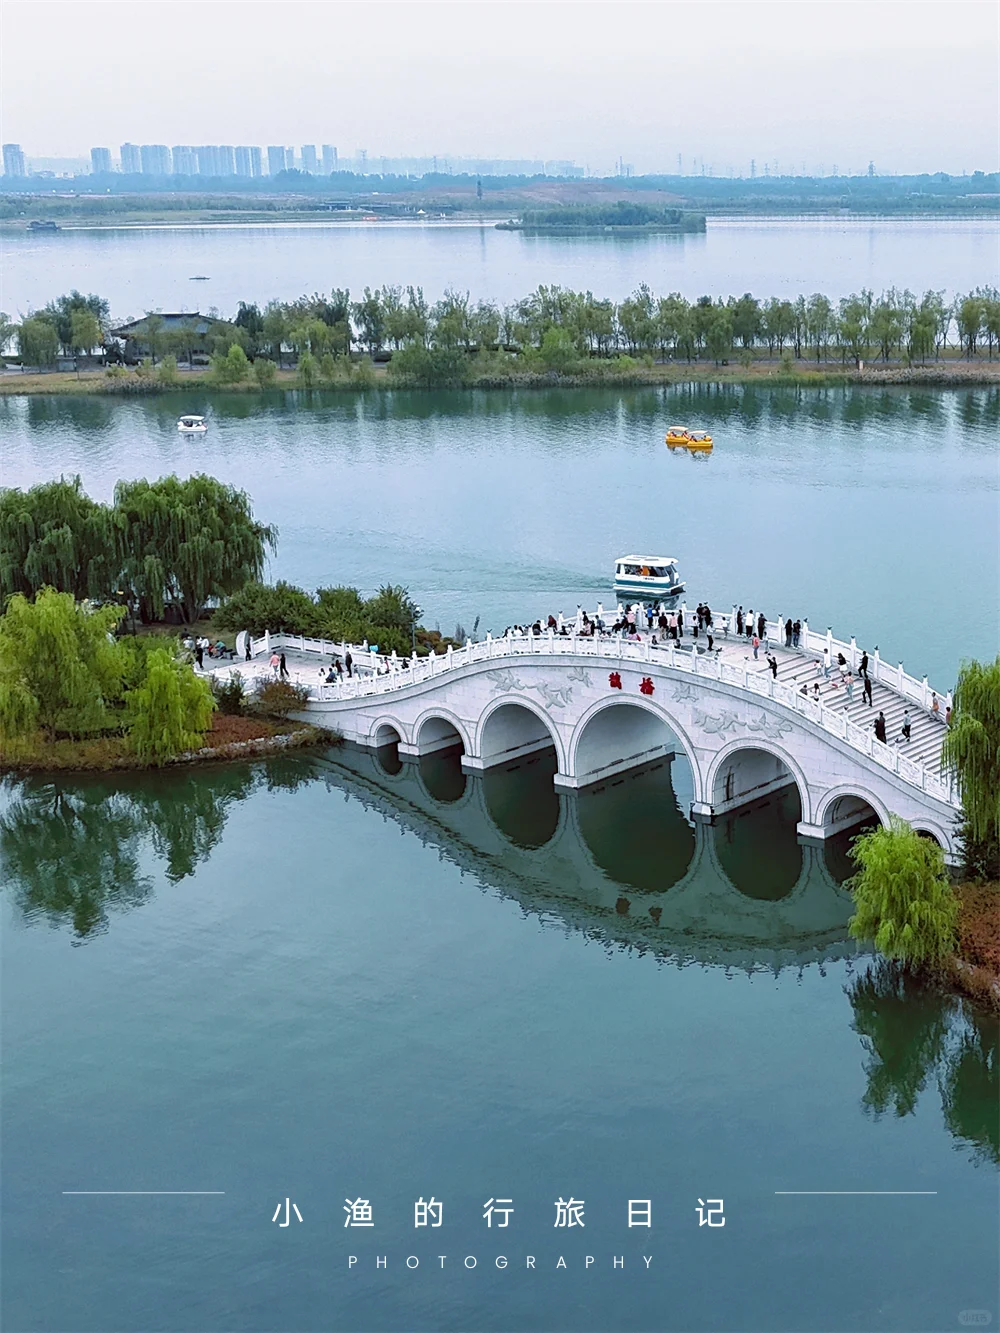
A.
x: 165, y: 547
x: 552, y: 329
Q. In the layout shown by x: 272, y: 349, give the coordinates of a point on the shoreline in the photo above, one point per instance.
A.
x: 956, y: 374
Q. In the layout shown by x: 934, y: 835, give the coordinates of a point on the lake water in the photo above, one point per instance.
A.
x: 333, y: 977
x: 150, y: 268
x: 873, y: 511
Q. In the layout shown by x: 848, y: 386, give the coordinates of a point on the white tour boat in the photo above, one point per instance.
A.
x: 192, y: 425
x: 653, y: 576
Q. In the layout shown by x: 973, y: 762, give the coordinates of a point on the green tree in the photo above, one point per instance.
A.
x: 745, y: 315
x: 819, y: 314
x: 308, y: 369
x: 170, y: 711
x: 37, y: 342
x: 60, y: 668
x: 53, y: 535
x: 903, y: 900
x: 188, y: 541
x: 60, y: 314
x: 369, y: 315
x: 972, y: 752
x: 969, y: 314
x: 558, y: 350
x: 719, y: 336
x: 274, y: 330
x: 85, y: 333
x: 853, y: 325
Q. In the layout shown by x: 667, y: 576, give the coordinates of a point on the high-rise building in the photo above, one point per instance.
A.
x: 247, y: 161
x: 131, y: 159
x: 310, y: 162
x: 154, y: 159
x: 329, y: 159
x: 227, y: 159
x: 13, y: 160
x: 208, y: 160
x: 100, y: 160
x: 185, y: 160
x: 275, y: 159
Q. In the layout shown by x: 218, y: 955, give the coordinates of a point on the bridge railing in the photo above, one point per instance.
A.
x: 394, y: 676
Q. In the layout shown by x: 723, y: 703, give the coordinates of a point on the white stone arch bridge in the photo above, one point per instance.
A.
x: 607, y: 704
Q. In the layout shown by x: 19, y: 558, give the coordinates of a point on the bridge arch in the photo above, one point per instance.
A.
x: 511, y: 726
x: 760, y: 745
x: 640, y: 703
x: 439, y: 728
x: 387, y: 730
x: 828, y: 806
x: 931, y: 830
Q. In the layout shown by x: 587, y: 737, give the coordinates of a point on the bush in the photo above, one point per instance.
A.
x: 264, y: 372
x: 308, y: 369
x: 261, y: 606
x: 278, y: 698
x: 904, y: 901
x: 231, y: 367
x: 363, y: 374
x: 430, y: 367
x: 166, y: 371
x: 230, y: 693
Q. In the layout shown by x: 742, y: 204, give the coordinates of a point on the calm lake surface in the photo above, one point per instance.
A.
x: 334, y: 977
x: 150, y: 268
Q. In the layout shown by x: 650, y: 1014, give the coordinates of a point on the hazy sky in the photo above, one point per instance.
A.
x: 913, y: 86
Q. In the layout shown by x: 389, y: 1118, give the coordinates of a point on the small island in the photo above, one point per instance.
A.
x: 591, y: 219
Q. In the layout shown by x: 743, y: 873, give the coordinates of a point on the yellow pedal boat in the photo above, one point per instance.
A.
x: 679, y: 437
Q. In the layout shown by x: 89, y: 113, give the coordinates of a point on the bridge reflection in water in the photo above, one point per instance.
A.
x: 620, y: 859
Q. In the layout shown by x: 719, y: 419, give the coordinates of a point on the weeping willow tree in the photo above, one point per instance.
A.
x: 54, y: 535
x: 170, y: 711
x: 187, y: 542
x: 904, y: 902
x: 972, y: 752
x: 60, y: 669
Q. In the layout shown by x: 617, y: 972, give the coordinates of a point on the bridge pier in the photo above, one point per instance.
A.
x: 479, y: 763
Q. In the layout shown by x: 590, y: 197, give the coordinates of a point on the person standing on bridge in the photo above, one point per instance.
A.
x: 863, y: 668
x: 849, y: 680
x: 739, y: 621
x: 772, y: 662
x: 756, y: 645
x: 282, y: 668
x: 789, y: 630
x: 904, y: 731
x: 868, y: 691
x: 349, y: 662
x: 880, y: 727
x: 749, y: 624
x: 247, y: 652
x: 796, y: 633
x: 761, y: 626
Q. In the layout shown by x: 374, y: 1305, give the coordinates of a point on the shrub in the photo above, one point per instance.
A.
x: 166, y: 371
x: 264, y: 372
x: 904, y: 901
x: 230, y: 693
x: 231, y: 367
x: 363, y: 374
x: 261, y: 606
x: 308, y: 369
x: 278, y: 698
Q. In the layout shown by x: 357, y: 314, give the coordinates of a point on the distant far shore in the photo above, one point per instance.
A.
x: 941, y: 375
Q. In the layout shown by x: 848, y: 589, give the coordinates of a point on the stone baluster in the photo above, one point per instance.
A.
x: 489, y: 644
x: 854, y: 653
x: 876, y: 663
x: 902, y: 677
x: 924, y: 691
x: 804, y: 637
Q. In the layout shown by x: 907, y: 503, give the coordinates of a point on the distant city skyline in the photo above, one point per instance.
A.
x: 795, y: 86
x: 253, y: 161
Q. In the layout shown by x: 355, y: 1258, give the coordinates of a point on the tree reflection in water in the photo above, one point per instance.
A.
x: 76, y: 852
x: 914, y: 1032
